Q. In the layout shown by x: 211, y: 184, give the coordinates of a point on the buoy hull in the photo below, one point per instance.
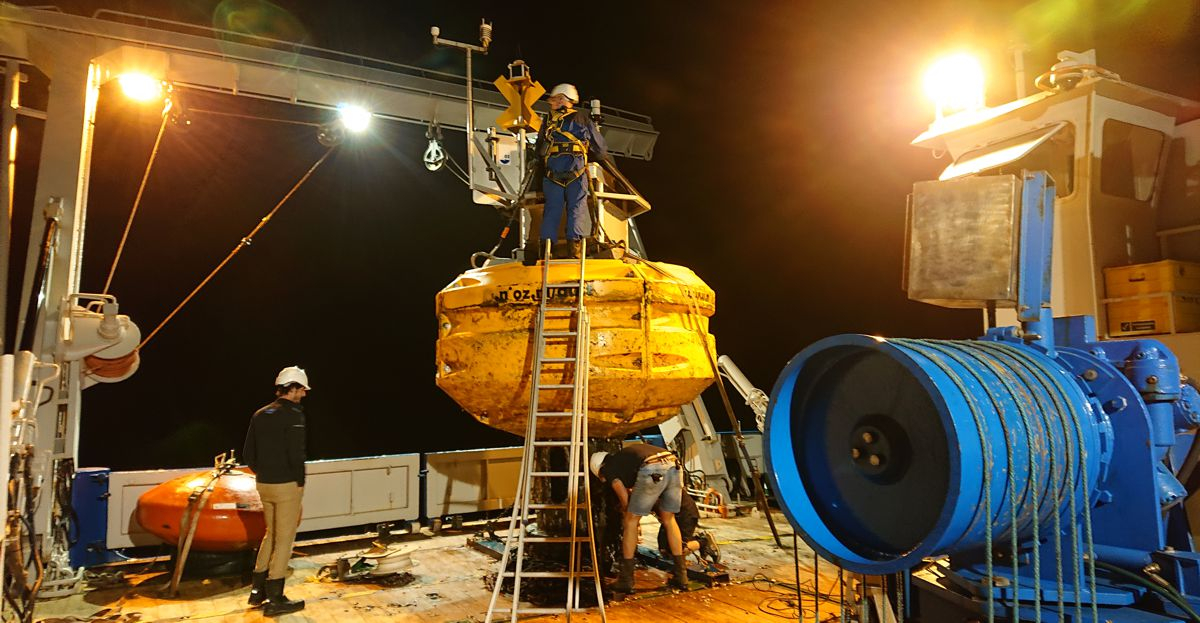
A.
x: 651, y: 351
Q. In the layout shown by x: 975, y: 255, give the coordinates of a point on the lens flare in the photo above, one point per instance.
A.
x: 140, y: 87
x: 354, y: 118
x: 955, y: 83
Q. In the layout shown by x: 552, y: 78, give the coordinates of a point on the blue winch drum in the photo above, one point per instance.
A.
x: 878, y: 449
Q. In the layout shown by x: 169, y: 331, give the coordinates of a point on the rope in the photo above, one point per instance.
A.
x: 138, y: 199
x: 221, y: 113
x: 1023, y: 401
x: 109, y: 368
x: 981, y: 426
x: 1056, y: 490
x: 244, y: 242
x: 1073, y: 446
x: 841, y: 594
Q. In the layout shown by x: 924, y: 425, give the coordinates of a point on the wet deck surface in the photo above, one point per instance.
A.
x: 448, y: 585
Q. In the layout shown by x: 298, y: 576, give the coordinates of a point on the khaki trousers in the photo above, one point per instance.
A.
x: 281, y: 510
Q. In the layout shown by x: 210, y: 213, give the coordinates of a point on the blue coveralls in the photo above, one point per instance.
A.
x: 570, y: 141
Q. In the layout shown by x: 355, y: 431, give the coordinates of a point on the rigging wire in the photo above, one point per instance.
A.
x: 244, y: 242
x: 221, y: 113
x: 168, y: 108
x: 457, y: 170
x: 141, y: 189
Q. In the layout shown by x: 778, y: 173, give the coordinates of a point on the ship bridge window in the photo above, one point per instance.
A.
x: 1050, y: 149
x: 1129, y: 160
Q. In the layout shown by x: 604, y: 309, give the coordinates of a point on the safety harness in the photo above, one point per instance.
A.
x: 572, y: 145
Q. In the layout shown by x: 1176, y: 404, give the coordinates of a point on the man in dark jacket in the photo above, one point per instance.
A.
x: 275, y: 450
x: 644, y: 478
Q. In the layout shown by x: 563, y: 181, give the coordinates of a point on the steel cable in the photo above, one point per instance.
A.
x: 1067, y: 410
x: 244, y: 242
x: 1057, y: 483
x: 1023, y: 401
x: 137, y: 200
x: 981, y: 426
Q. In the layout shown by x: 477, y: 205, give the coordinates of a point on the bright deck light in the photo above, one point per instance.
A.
x: 955, y: 83
x: 354, y: 118
x: 140, y: 87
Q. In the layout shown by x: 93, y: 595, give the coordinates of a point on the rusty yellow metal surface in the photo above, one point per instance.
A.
x: 651, y: 351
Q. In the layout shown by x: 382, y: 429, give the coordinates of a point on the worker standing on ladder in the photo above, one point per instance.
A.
x: 275, y: 450
x: 568, y: 140
x: 641, y: 476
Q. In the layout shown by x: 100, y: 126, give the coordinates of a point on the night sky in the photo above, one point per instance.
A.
x: 780, y: 177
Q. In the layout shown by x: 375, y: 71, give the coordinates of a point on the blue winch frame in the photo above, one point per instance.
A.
x: 1132, y: 417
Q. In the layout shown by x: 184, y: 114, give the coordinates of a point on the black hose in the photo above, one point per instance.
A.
x: 38, y: 285
x: 1169, y: 594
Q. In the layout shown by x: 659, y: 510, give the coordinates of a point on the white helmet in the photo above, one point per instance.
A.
x: 292, y: 374
x: 568, y: 90
x: 596, y: 462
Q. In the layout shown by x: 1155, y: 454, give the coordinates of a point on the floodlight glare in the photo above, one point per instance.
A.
x: 354, y: 118
x: 955, y: 83
x: 140, y: 87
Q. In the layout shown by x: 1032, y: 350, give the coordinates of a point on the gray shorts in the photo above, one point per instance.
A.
x: 666, y: 489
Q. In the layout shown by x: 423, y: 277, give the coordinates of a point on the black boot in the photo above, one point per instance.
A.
x: 624, y: 576
x: 258, y: 588
x: 530, y: 254
x: 278, y: 603
x: 679, y: 579
x: 575, y: 248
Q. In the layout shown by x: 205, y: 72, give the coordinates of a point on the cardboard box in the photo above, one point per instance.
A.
x: 1152, y: 278
x: 1164, y: 312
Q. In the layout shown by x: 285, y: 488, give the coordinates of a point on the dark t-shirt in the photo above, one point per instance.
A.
x: 275, y: 443
x: 623, y: 465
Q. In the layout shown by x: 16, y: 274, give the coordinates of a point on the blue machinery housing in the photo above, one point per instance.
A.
x: 1040, y: 461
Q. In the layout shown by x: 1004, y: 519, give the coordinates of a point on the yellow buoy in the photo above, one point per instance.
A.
x: 651, y: 351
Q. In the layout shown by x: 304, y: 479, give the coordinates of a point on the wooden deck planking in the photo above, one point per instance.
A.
x: 449, y: 587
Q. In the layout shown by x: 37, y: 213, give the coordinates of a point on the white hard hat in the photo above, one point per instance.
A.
x: 596, y: 462
x: 292, y: 374
x: 568, y: 90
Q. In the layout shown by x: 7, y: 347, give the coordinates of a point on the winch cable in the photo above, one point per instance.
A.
x: 1057, y: 484
x: 137, y: 200
x: 244, y: 242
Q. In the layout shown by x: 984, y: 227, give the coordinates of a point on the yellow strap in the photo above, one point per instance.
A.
x: 561, y: 148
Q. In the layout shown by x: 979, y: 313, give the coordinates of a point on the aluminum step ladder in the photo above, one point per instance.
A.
x: 572, y: 329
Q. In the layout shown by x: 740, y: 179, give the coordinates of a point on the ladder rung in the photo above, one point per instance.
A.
x: 551, y: 507
x: 555, y: 539
x: 562, y: 309
x: 548, y: 574
x: 551, y: 443
x: 540, y: 611
x: 549, y: 474
x: 559, y: 333
x: 559, y: 359
x: 571, y: 284
x: 554, y: 414
x: 555, y: 386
